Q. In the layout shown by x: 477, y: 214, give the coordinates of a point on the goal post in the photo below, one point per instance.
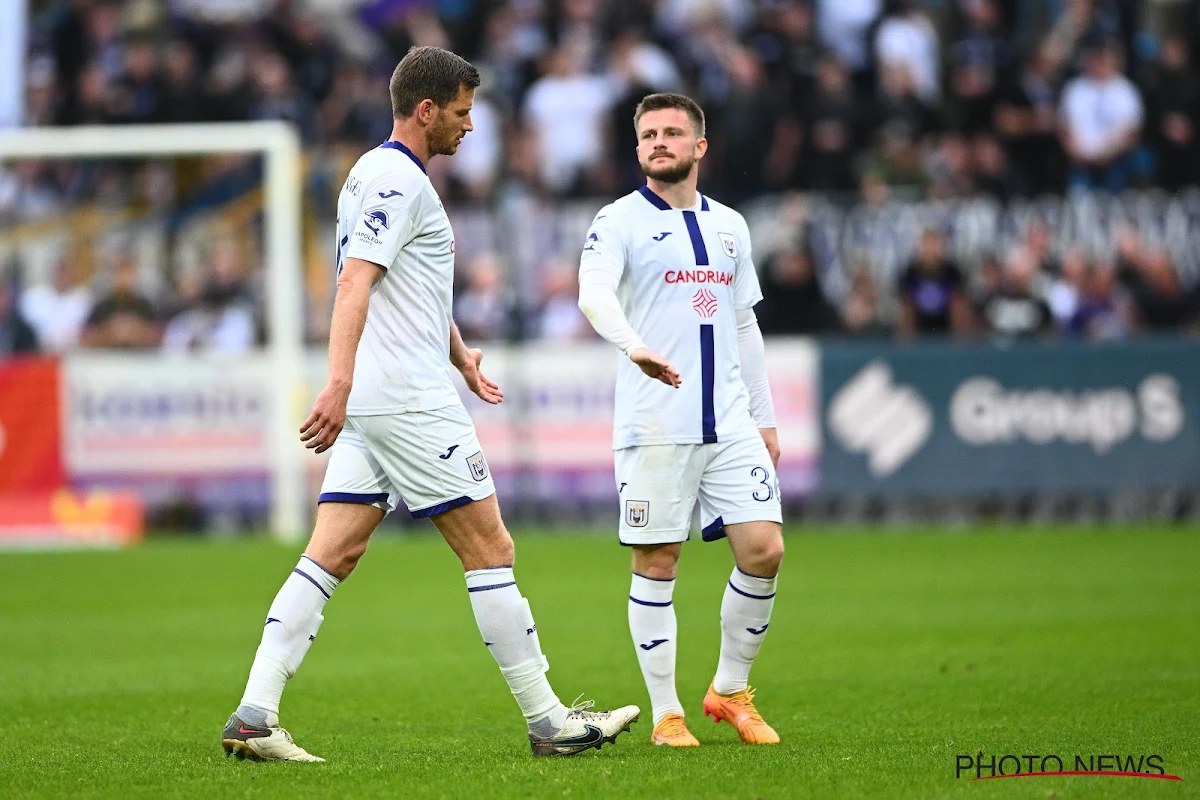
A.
x: 279, y: 146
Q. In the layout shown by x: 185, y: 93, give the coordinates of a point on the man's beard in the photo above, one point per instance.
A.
x: 676, y: 173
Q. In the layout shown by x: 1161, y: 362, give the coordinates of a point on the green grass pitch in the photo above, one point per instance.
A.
x: 888, y: 655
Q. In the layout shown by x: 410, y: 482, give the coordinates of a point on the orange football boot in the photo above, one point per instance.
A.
x: 738, y: 710
x: 672, y: 732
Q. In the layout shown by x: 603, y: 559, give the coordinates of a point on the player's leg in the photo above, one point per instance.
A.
x: 657, y: 486
x: 438, y: 466
x: 354, y: 498
x: 739, y: 497
x: 477, y: 535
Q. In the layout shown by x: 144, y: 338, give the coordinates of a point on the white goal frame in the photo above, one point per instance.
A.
x: 279, y: 145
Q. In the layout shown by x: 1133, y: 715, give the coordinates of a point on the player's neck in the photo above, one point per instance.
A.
x: 677, y: 195
x: 411, y: 136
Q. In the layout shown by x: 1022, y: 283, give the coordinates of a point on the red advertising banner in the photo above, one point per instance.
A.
x: 64, y: 518
x: 30, y: 442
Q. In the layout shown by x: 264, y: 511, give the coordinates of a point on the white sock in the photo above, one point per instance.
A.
x: 291, y: 626
x: 745, y: 613
x: 508, y: 630
x: 652, y: 625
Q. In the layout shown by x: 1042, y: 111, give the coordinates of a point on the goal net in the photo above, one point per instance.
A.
x: 164, y: 265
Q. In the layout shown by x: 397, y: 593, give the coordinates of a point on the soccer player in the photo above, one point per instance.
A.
x: 395, y: 427
x: 666, y: 276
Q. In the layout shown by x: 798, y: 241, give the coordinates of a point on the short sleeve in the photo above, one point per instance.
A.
x: 604, y: 247
x: 386, y: 223
x: 746, y: 291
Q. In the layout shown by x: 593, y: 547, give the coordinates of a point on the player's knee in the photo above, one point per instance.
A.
x: 772, y: 555
x: 764, y: 557
x: 659, y: 562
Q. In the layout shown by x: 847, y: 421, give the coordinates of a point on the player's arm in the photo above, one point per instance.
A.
x: 383, y: 228
x: 752, y: 354
x: 328, y: 415
x: 467, y: 360
x: 752, y: 351
x: 600, y: 268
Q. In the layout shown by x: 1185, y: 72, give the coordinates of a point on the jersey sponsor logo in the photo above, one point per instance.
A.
x: 376, y: 220
x: 698, y: 276
x: 478, y: 466
x: 390, y: 193
x: 728, y: 244
x: 591, y: 241
x: 637, y: 513
x: 704, y: 303
x: 661, y: 236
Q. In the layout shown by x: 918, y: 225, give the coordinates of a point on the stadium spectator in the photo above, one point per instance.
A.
x: 860, y: 310
x: 932, y: 298
x: 979, y: 62
x: 903, y: 125
x: 843, y: 26
x: 830, y: 125
x: 17, y: 336
x: 1104, y: 312
x: 276, y: 96
x: 907, y: 40
x: 565, y: 110
x: 1174, y: 114
x: 793, y: 302
x: 1016, y: 310
x: 58, y: 310
x: 484, y: 308
x: 124, y: 318
x: 182, y: 88
x: 1026, y: 119
x: 219, y: 316
x: 557, y: 317
x: 1102, y: 121
x: 1065, y: 291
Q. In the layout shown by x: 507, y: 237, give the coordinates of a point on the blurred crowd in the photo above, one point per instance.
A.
x: 861, y: 99
x: 1025, y: 293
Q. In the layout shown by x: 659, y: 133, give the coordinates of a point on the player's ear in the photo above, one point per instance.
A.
x: 426, y: 110
x: 701, y: 148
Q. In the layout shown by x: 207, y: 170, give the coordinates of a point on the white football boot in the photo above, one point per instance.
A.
x: 585, y: 729
x: 261, y: 744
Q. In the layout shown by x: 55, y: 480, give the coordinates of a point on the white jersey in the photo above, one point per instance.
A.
x: 390, y: 215
x: 682, y: 275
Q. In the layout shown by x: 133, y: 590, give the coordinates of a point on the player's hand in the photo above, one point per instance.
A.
x: 655, y: 366
x: 327, y: 418
x: 771, y: 439
x: 477, y: 382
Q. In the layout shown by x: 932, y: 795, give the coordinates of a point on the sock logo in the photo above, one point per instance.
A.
x: 531, y: 630
x: 761, y: 630
x: 270, y: 620
x: 653, y: 644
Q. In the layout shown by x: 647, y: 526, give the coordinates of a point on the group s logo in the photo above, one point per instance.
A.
x: 872, y: 415
x: 637, y: 513
x: 376, y: 220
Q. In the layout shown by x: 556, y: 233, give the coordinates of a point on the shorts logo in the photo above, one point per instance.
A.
x: 728, y: 244
x: 637, y: 513
x: 479, y: 468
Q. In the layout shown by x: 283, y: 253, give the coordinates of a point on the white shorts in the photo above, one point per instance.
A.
x: 430, y: 459
x: 658, y: 486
